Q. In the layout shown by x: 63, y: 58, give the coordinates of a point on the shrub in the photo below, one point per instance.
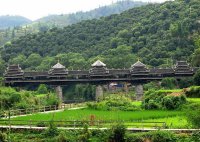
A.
x: 195, y: 137
x: 152, y: 105
x: 42, y: 89
x: 161, y: 100
x: 185, y: 82
x: 157, y: 136
x: 169, y: 83
x: 194, y: 91
x: 62, y: 137
x: 52, y: 100
x: 85, y: 134
x: 3, y: 137
x: 41, y: 124
x: 193, y: 116
x: 168, y: 103
x: 118, y: 133
x: 22, y: 105
x: 52, y: 130
x: 114, y: 103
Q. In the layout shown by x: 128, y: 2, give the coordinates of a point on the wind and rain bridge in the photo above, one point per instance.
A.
x: 58, y: 76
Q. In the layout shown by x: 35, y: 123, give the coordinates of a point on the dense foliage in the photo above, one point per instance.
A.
x: 114, y: 103
x: 163, y: 99
x: 193, y: 91
x: 104, y: 135
x: 169, y: 83
x: 12, y: 99
x: 79, y: 92
x: 157, y: 33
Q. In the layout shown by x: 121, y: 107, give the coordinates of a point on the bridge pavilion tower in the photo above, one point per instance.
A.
x: 98, y: 69
x: 13, y: 72
x: 58, y: 71
x: 139, y: 70
x: 182, y: 68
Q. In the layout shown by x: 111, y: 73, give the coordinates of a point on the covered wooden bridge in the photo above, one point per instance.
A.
x: 98, y: 74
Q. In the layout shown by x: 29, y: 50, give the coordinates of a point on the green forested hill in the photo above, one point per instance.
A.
x: 68, y: 19
x: 156, y: 33
x: 11, y: 21
x: 13, y: 30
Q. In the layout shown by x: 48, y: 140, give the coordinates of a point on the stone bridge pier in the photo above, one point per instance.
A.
x: 99, y: 92
x: 139, y: 92
x: 59, y: 93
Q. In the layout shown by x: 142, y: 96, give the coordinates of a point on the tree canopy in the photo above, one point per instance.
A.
x: 158, y: 34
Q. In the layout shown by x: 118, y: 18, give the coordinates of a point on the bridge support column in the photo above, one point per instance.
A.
x: 139, y: 91
x: 99, y: 93
x: 59, y: 93
x: 126, y: 87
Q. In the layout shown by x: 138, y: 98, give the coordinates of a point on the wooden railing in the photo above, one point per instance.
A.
x: 16, y: 112
x: 81, y: 124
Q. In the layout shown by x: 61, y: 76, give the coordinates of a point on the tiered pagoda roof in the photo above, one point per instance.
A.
x: 13, y: 71
x: 139, y: 69
x: 98, y: 69
x: 58, y: 70
x: 182, y: 67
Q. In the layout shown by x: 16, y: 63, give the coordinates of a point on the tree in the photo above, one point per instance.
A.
x: 118, y: 133
x: 42, y: 89
x: 197, y: 77
x: 33, y: 61
x: 169, y: 83
x: 196, y: 58
x: 20, y: 59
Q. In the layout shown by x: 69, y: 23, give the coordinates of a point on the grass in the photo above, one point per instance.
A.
x: 85, y: 115
x: 194, y: 100
x: 172, y: 122
x: 137, y: 103
x: 171, y: 91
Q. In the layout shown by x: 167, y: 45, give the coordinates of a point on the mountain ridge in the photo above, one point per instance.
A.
x: 7, y: 21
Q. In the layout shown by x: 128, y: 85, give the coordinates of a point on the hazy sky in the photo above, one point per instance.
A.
x: 34, y: 9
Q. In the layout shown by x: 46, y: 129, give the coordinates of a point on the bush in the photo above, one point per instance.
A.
x: 62, y: 137
x: 194, y: 91
x: 41, y: 124
x: 85, y: 134
x: 52, y: 100
x: 152, y: 105
x: 168, y: 103
x: 3, y: 137
x: 185, y: 82
x: 162, y: 100
x: 157, y: 136
x: 52, y: 130
x: 169, y: 83
x: 42, y: 89
x: 114, y: 103
x: 195, y: 137
x: 118, y: 133
x: 193, y: 116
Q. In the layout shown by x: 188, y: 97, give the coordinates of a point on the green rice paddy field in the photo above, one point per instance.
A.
x: 172, y: 119
x: 130, y: 118
x: 85, y: 114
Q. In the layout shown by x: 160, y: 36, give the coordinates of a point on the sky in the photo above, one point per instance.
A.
x: 35, y: 9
